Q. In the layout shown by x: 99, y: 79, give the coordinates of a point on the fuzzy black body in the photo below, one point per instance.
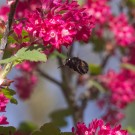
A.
x: 77, y: 65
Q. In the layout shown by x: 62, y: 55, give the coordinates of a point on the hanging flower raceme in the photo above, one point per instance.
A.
x: 3, y: 102
x: 124, y: 33
x: 123, y: 87
x: 27, y: 66
x: 25, y: 85
x: 97, y: 127
x: 99, y: 9
x: 26, y: 82
x: 61, y: 25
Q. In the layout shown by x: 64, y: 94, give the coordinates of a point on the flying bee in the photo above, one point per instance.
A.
x: 77, y: 65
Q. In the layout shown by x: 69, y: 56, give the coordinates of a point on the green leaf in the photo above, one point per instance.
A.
x: 9, y: 94
x: 27, y: 127
x: 7, y: 130
x: 97, y: 85
x: 31, y: 55
x: 11, y: 40
x: 58, y: 117
x: 26, y: 54
x: 130, y: 3
x: 128, y: 66
x: 25, y: 36
x: 131, y: 129
x: 50, y: 129
x: 13, y: 101
x: 95, y: 69
x: 67, y: 133
x: 11, y: 59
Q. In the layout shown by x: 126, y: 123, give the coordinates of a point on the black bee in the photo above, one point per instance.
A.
x: 77, y: 65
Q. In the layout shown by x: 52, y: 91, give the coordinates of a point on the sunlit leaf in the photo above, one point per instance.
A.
x: 26, y: 54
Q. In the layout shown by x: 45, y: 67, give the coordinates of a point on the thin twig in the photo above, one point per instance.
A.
x: 105, y: 60
x: 4, y: 40
x: 45, y: 75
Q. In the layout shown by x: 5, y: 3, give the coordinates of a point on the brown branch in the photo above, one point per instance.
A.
x: 69, y: 91
x: 105, y: 60
x: 45, y: 75
x: 4, y: 40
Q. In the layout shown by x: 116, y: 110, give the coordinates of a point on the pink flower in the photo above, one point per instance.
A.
x: 4, y: 13
x: 99, y: 9
x: 97, y: 127
x: 124, y: 33
x: 25, y: 85
x: 18, y: 29
x: 26, y: 5
x: 3, y: 120
x: 27, y: 66
x: 61, y: 25
x: 121, y: 86
x: 3, y: 102
x: 113, y: 115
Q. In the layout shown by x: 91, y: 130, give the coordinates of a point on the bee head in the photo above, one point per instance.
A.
x: 67, y: 60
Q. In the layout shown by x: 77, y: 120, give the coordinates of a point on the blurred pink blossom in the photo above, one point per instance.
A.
x: 97, y: 127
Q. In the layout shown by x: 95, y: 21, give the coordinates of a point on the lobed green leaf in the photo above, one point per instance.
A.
x: 26, y: 54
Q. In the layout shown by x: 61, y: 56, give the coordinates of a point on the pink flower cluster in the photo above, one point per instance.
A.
x: 123, y: 87
x: 61, y: 25
x: 24, y: 85
x: 4, y: 13
x: 27, y: 66
x: 97, y: 127
x: 99, y: 9
x: 3, y: 103
x: 113, y: 115
x: 27, y: 81
x: 124, y: 33
x: 26, y: 6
